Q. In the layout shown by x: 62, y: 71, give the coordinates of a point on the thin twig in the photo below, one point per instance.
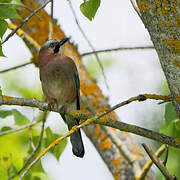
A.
x: 15, y: 67
x: 134, y: 4
x: 19, y: 5
x: 19, y: 128
x: 25, y: 20
x: 166, y: 156
x: 37, y: 146
x: 89, y: 42
x: 118, y: 49
x: 157, y: 162
x: 51, y: 21
x: 148, y: 165
x: 31, y: 138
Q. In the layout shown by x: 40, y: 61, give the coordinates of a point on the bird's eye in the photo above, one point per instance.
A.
x: 51, y: 45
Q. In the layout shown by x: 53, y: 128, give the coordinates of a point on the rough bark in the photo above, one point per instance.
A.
x: 162, y: 20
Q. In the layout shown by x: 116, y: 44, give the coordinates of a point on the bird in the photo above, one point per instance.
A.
x: 61, y: 85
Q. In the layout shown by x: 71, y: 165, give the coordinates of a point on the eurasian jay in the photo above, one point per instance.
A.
x: 61, y: 86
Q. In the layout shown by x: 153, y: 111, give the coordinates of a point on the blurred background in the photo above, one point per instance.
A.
x: 128, y: 73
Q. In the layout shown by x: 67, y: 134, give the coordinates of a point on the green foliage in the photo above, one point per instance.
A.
x: 1, y: 53
x: 172, y: 165
x: 58, y: 149
x: 16, y: 147
x: 19, y: 118
x: 12, y: 153
x: 5, y: 128
x: 89, y: 8
x: 0, y: 91
x: 4, y: 26
x: 170, y: 113
x: 7, y: 12
x: 171, y: 127
x: 5, y: 113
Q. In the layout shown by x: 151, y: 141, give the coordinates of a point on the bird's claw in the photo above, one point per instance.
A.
x: 52, y: 103
x: 63, y: 108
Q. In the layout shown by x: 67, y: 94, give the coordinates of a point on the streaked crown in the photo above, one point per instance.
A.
x: 51, y: 43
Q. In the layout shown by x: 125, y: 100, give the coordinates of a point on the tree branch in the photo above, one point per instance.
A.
x: 32, y: 102
x: 25, y: 20
x: 7, y: 100
x: 19, y: 128
x: 15, y: 67
x: 89, y: 42
x: 156, y: 161
x: 88, y: 53
x: 142, y: 132
x: 51, y: 20
x: 148, y: 165
x: 117, y: 49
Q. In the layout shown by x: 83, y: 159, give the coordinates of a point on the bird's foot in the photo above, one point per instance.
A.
x: 52, y: 103
x: 63, y: 108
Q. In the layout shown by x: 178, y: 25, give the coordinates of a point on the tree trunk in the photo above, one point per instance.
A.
x: 162, y: 20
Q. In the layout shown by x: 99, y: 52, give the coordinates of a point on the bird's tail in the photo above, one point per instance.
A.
x: 76, y: 141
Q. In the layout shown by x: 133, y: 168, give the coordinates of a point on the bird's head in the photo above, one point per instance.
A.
x: 55, y: 45
x: 50, y: 49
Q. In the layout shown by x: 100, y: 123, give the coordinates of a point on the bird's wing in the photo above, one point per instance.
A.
x: 76, y: 78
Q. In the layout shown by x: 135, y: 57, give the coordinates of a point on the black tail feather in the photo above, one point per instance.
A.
x: 77, y: 143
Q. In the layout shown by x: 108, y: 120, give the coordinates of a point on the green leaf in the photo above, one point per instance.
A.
x: 170, y: 113
x: 89, y: 8
x: 59, y: 148
x: 177, y: 124
x: 3, y: 25
x: 19, y: 118
x: 12, y: 152
x: 28, y: 176
x: 16, y: 2
x: 38, y: 167
x: 13, y: 169
x: 5, y: 1
x: 5, y: 113
x: 170, y: 130
x: 5, y: 128
x: 0, y: 91
x: 8, y: 12
x: 1, y: 53
x: 36, y: 178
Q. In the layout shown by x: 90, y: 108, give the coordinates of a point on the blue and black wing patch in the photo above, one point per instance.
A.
x: 77, y: 90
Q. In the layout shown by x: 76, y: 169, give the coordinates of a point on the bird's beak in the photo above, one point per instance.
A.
x: 63, y: 41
